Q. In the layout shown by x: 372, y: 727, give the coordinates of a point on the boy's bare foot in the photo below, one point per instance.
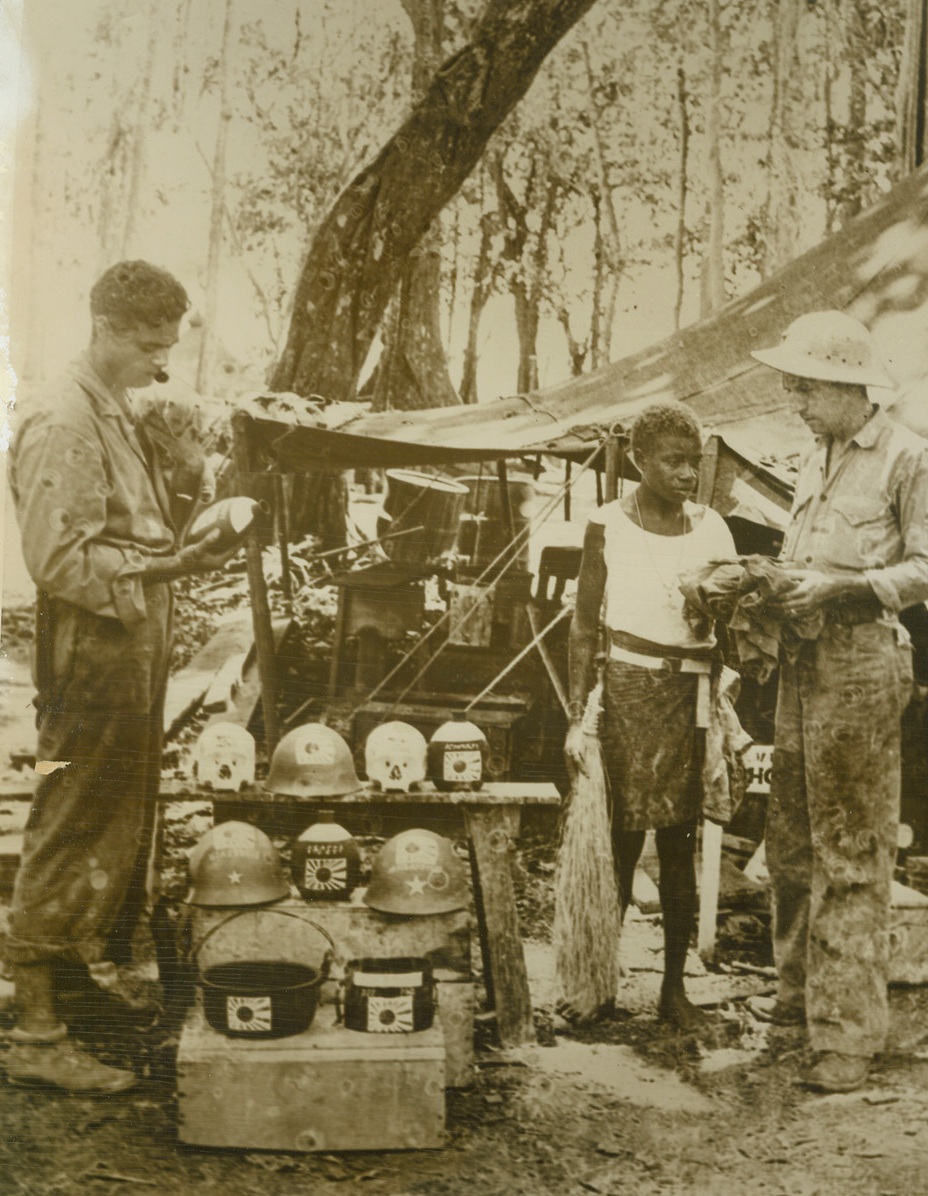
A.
x: 677, y: 1010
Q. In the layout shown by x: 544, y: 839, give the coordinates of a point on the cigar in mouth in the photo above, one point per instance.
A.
x: 162, y: 376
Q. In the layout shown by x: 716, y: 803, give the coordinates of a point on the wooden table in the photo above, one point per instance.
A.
x: 491, y: 819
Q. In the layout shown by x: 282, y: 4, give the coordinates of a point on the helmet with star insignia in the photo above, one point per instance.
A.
x: 236, y: 864
x: 417, y: 872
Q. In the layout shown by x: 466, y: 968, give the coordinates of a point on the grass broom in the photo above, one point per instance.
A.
x: 587, y: 912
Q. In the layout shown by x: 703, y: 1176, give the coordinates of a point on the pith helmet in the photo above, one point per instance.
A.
x: 236, y: 864
x: 225, y: 757
x: 394, y: 756
x: 312, y: 761
x: 417, y: 872
x: 830, y: 346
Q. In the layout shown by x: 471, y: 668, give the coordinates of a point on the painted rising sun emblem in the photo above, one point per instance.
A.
x: 325, y: 875
x: 252, y: 1014
x: 390, y: 1015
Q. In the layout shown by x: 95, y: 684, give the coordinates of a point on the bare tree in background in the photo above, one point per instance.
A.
x: 359, y: 252
x: 713, y: 263
x: 207, y: 361
x: 413, y: 368
x: 782, y: 180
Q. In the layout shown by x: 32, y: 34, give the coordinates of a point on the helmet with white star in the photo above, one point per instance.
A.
x: 417, y: 872
x: 236, y: 864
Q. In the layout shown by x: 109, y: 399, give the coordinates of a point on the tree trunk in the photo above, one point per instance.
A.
x: 413, y: 371
x: 483, y: 278
x: 606, y: 276
x: 413, y: 368
x: 855, y: 161
x: 139, y: 158
x: 783, y: 187
x: 912, y: 91
x: 609, y: 258
x: 679, y: 244
x: 111, y: 223
x: 514, y: 224
x: 30, y: 272
x: 576, y: 350
x: 713, y: 274
x: 365, y: 240
x: 207, y: 361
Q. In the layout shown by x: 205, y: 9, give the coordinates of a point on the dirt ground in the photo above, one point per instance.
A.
x: 622, y: 1107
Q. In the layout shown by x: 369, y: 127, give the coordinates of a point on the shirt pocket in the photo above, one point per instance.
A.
x: 861, y: 532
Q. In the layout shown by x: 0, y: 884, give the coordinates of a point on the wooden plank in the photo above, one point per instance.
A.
x: 506, y: 793
x: 225, y: 685
x: 21, y: 787
x: 246, y: 700
x: 456, y: 1007
x: 257, y: 586
x: 489, y: 830
x: 356, y: 931
x: 186, y: 689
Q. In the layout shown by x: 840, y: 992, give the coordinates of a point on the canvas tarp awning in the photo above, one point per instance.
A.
x: 876, y: 269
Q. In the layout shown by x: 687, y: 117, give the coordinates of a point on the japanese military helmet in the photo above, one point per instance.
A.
x: 394, y: 757
x: 830, y: 346
x: 236, y: 864
x: 417, y: 872
x: 225, y: 757
x: 312, y: 761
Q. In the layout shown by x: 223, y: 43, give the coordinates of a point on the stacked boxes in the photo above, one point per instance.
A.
x: 328, y: 1088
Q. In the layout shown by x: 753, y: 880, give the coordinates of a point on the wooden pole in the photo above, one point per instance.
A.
x: 612, y: 467
x: 491, y: 833
x: 505, y: 502
x: 709, y: 888
x: 257, y: 585
x: 283, y: 541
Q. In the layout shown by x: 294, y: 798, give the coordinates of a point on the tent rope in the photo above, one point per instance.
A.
x: 512, y: 550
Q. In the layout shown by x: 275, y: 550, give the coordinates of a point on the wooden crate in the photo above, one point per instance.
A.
x: 329, y: 1089
x: 267, y: 933
x: 456, y: 1004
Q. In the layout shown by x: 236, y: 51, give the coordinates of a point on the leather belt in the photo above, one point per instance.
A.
x: 670, y: 664
x: 852, y: 614
x: 700, y: 664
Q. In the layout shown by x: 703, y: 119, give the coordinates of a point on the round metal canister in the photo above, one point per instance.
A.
x: 419, y: 501
x: 326, y: 861
x: 457, y: 755
x: 389, y: 996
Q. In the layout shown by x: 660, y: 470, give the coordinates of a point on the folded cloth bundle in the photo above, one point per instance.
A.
x: 742, y: 592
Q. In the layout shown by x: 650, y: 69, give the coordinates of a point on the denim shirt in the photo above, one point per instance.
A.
x: 869, y: 514
x: 91, y: 503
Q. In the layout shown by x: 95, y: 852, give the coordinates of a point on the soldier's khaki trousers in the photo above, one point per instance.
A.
x: 831, y: 829
x: 81, y: 880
